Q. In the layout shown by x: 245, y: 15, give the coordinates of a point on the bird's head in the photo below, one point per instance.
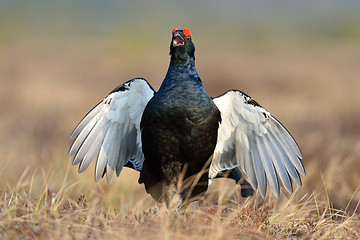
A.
x: 181, y: 47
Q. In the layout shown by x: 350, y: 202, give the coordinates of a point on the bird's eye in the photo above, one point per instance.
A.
x: 188, y: 38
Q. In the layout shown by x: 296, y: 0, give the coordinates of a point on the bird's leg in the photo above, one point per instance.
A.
x: 169, y: 194
x: 155, y: 211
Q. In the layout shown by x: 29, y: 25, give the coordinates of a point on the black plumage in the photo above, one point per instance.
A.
x: 179, y: 137
x: 179, y: 127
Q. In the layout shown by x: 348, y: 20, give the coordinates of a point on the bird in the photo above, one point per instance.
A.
x: 179, y: 138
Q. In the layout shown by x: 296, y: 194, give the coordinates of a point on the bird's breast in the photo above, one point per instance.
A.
x: 179, y: 127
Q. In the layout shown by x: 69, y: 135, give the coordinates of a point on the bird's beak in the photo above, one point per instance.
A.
x: 177, y: 40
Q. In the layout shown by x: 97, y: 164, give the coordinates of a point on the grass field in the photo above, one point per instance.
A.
x: 49, y: 82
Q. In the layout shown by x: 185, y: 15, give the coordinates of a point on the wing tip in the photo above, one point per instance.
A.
x: 74, y: 135
x: 82, y: 168
x: 301, y: 168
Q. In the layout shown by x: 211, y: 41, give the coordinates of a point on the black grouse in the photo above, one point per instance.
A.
x: 179, y: 138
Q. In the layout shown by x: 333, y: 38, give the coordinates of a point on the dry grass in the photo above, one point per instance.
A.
x: 55, y: 216
x: 45, y: 90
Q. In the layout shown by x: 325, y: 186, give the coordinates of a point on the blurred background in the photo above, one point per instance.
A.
x: 298, y: 59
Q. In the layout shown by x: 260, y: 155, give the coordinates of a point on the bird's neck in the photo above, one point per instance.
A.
x: 179, y: 69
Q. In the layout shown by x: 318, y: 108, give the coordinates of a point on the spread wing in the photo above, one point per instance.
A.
x: 251, y: 138
x: 111, y: 130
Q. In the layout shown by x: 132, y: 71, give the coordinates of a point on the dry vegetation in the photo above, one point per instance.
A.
x: 313, y: 89
x: 49, y: 217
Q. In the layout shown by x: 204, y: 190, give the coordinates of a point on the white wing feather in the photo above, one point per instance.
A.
x: 251, y: 138
x: 111, y: 130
